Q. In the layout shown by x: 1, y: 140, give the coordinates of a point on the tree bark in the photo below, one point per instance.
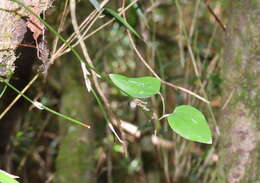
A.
x: 76, y: 157
x: 240, y: 122
x: 15, y: 21
x: 17, y: 26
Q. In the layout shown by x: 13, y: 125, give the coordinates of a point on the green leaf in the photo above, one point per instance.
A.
x: 117, y: 148
x: 95, y: 3
x: 190, y: 123
x: 7, y: 178
x: 121, y: 20
x: 142, y: 87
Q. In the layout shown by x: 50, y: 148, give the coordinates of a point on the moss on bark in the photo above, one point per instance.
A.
x: 241, y: 73
x: 75, y: 162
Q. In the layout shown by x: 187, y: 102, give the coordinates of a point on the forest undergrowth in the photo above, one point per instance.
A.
x: 177, y: 41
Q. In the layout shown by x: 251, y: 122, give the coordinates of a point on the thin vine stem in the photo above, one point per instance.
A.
x: 43, y: 107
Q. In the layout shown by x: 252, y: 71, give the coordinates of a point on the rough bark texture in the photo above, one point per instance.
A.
x: 16, y: 26
x: 240, y: 122
x: 14, y: 21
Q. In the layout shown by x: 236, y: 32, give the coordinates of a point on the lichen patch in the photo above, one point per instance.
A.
x: 243, y: 142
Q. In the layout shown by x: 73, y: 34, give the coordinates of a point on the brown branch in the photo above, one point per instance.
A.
x: 214, y: 15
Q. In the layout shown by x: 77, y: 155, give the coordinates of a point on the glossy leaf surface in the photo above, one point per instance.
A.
x: 141, y: 87
x: 190, y: 123
x: 7, y: 178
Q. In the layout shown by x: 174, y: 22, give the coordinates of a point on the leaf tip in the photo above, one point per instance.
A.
x: 209, y: 142
x: 86, y: 126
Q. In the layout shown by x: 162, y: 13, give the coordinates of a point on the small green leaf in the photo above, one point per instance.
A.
x: 117, y: 148
x: 7, y: 178
x: 95, y: 3
x: 121, y: 20
x: 142, y: 87
x: 190, y: 123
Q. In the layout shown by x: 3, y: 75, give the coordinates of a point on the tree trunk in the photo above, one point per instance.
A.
x: 76, y: 157
x: 15, y: 22
x: 240, y: 122
x: 17, y: 26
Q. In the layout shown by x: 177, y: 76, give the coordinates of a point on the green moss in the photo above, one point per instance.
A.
x: 75, y: 161
x: 248, y: 92
x: 256, y: 51
x: 238, y: 58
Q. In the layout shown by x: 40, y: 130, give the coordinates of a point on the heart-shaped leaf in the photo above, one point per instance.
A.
x: 122, y: 21
x: 7, y: 178
x: 141, y: 87
x: 190, y: 123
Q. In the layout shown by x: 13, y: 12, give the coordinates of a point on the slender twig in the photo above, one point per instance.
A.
x: 163, y: 103
x: 93, y: 75
x: 40, y: 106
x: 197, y: 72
x: 62, y: 22
x: 214, y: 15
x: 19, y: 96
x: 228, y: 100
x: 76, y: 54
x: 102, y: 26
x: 156, y: 75
x: 194, y: 19
x: 63, y: 48
x: 19, y: 44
